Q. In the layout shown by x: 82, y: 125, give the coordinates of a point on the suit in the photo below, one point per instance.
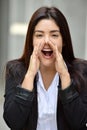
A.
x: 21, y: 106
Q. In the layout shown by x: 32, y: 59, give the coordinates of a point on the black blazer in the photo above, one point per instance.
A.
x: 21, y: 108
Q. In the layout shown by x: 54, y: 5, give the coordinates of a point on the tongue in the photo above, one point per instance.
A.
x: 48, y: 54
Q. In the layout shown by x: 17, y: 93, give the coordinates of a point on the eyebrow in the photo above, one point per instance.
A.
x: 52, y: 31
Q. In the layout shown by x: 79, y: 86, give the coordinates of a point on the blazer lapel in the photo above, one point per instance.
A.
x: 61, y: 120
x: 32, y: 125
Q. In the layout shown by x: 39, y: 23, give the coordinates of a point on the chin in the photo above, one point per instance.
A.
x: 47, y: 63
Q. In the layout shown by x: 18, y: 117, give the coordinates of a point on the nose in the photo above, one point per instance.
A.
x: 47, y: 39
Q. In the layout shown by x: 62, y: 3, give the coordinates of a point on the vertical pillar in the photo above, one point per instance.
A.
x: 86, y: 39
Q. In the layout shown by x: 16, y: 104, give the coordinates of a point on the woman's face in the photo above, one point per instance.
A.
x: 46, y: 33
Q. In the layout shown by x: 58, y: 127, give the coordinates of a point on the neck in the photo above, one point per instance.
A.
x: 48, y: 74
x: 47, y: 70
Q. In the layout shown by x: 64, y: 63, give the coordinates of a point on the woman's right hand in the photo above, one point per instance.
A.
x: 34, y: 61
x: 32, y: 69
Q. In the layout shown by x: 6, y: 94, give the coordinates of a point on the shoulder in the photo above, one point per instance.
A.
x: 80, y: 65
x: 14, y: 64
x: 14, y: 67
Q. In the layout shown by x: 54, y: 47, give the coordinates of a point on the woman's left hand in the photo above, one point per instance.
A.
x: 60, y: 66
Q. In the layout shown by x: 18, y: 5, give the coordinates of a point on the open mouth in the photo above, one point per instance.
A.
x: 47, y: 52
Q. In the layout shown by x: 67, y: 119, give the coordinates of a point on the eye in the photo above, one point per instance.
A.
x: 38, y: 35
x: 55, y: 35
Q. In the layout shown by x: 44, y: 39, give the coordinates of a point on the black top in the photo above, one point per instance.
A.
x: 20, y: 106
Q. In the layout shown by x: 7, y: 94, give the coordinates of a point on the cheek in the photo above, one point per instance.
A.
x: 60, y: 49
x: 35, y: 42
x: 60, y: 46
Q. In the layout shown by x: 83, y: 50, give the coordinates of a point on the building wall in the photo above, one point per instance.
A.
x: 20, y: 11
x: 12, y: 11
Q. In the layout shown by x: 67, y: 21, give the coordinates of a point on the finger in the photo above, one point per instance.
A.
x: 54, y: 47
x: 41, y: 46
x: 36, y: 49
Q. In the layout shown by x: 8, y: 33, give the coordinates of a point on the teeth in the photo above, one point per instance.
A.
x: 46, y: 49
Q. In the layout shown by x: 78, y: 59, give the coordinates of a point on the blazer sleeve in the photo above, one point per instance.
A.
x: 75, y: 106
x: 18, y: 101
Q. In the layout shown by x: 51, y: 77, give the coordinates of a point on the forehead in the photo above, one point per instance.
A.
x: 47, y: 24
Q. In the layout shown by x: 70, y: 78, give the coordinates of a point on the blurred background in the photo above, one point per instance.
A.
x: 14, y: 19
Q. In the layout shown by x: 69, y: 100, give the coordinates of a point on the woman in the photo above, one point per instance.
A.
x: 46, y: 89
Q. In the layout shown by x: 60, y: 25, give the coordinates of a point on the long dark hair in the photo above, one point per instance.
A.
x: 60, y: 20
x: 67, y: 50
